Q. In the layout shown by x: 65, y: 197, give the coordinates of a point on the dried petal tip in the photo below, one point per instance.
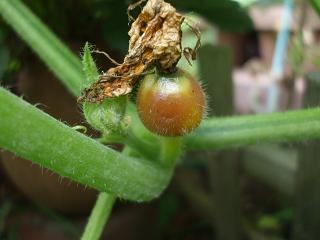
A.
x: 155, y: 40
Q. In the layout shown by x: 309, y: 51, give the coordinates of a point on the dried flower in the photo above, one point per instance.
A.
x: 155, y: 41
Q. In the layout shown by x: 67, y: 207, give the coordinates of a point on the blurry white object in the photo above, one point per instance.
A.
x: 252, y: 89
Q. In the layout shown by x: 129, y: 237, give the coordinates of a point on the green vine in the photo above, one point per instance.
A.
x: 34, y: 135
x: 98, y: 217
x: 240, y: 131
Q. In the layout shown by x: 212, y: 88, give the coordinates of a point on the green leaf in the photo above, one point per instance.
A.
x: 4, y: 59
x: 246, y: 3
x: 49, y: 48
x: 316, y: 6
x: 89, y: 67
x: 226, y: 14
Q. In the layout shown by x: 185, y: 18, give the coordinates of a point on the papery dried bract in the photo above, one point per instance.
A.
x: 155, y: 40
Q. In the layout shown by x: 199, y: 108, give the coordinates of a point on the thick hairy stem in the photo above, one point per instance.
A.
x: 222, y: 133
x: 34, y: 135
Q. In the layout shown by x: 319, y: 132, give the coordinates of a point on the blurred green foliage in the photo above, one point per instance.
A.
x: 92, y: 19
x: 4, y: 54
x: 104, y: 21
x: 316, y: 5
x: 8, y: 64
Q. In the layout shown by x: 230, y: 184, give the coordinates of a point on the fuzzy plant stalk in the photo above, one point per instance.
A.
x: 240, y: 131
x: 171, y: 149
x: 32, y: 134
x: 98, y: 217
x: 109, y: 118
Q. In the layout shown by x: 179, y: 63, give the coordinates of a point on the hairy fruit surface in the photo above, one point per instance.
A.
x: 171, y: 104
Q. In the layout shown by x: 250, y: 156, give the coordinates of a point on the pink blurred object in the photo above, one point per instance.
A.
x: 252, y: 84
x: 272, y: 15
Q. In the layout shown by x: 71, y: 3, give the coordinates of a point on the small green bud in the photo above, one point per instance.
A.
x: 107, y: 117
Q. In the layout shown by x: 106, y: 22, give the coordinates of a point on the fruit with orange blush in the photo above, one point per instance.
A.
x: 171, y: 104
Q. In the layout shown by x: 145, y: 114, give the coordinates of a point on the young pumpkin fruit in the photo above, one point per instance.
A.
x: 171, y: 104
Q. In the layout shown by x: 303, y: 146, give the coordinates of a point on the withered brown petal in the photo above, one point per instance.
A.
x: 155, y: 40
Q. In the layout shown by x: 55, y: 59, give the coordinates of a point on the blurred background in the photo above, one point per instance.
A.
x: 257, y: 57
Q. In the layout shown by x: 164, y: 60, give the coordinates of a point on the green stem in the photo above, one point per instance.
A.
x: 99, y: 216
x: 34, y: 135
x: 230, y: 132
x: 50, y: 49
x: 171, y: 148
x: 146, y: 149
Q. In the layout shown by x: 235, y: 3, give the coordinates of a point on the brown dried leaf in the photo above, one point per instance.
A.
x: 155, y: 41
